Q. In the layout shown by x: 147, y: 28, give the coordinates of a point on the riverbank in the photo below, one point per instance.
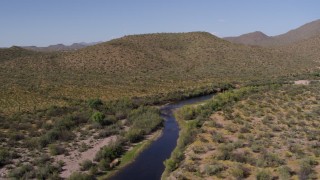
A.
x: 132, y: 154
x: 149, y: 164
x: 190, y: 119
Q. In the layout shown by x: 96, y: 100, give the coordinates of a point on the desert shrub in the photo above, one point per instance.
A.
x: 86, y: 165
x: 110, y: 130
x: 264, y: 175
x: 134, y: 135
x: 47, y: 170
x: 81, y: 117
x: 93, y: 170
x: 104, y: 164
x: 225, y: 151
x: 66, y: 122
x: 213, y: 169
x: 306, y: 168
x: 112, y: 151
x: 55, y: 149
x: 215, y: 124
x: 240, y: 172
x: 16, y: 137
x: 145, y: 118
x: 5, y: 156
x: 176, y: 157
x: 188, y: 113
x: 218, y: 137
x: 284, y: 172
x: 83, y: 147
x: 26, y: 171
x: 80, y: 176
x: 242, y: 157
x: 111, y: 119
x: 42, y: 159
x: 120, y: 107
x: 56, y: 111
x: 94, y: 103
x: 98, y: 117
x: 54, y: 135
x: 269, y: 160
x: 245, y: 129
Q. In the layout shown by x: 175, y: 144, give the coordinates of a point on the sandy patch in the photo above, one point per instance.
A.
x: 3, y: 172
x: 302, y: 82
x: 75, y: 158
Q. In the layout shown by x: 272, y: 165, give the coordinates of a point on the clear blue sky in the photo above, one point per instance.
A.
x: 45, y: 22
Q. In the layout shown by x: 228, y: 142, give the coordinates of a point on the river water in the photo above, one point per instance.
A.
x: 149, y: 163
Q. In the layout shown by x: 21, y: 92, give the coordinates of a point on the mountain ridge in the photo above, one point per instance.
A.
x: 60, y: 47
x: 303, y: 32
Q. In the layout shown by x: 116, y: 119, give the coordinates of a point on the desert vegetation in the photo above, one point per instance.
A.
x: 102, y: 100
x: 31, y: 141
x: 271, y: 132
x: 136, y: 66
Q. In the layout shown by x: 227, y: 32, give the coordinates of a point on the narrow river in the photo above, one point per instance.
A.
x: 149, y: 164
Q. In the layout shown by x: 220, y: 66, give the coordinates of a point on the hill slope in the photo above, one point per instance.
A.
x: 271, y: 130
x: 139, y: 65
x: 250, y: 38
x: 308, y: 48
x: 304, y: 32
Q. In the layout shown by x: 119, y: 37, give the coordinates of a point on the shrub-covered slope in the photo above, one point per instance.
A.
x: 138, y: 65
x: 270, y: 134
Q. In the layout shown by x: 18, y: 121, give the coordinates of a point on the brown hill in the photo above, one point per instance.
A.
x: 139, y: 65
x: 196, y: 54
x: 250, y: 38
x: 304, y: 32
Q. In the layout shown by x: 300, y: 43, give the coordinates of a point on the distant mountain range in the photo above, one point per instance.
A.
x: 304, y: 32
x: 61, y: 47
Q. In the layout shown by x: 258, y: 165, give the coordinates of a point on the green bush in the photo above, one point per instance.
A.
x: 86, y: 165
x: 264, y: 175
x: 188, y: 113
x: 214, y: 169
x: 94, y: 103
x: 98, y: 117
x: 306, y: 168
x: 176, y: 157
x: 26, y: 171
x: 110, y: 152
x: 80, y: 176
x: 46, y: 171
x: 240, y: 172
x: 134, y: 135
x: 104, y: 164
x: 55, y: 134
x: 55, y: 149
x: 5, y: 157
x: 284, y: 172
x: 145, y: 118
x: 110, y: 130
x: 270, y: 160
